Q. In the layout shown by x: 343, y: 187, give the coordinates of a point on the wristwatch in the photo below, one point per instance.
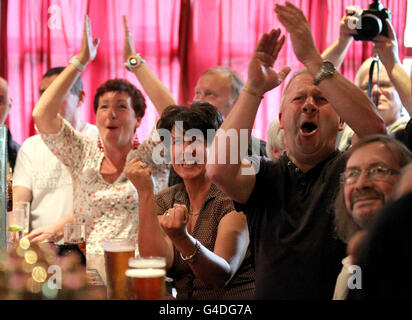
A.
x: 134, y: 62
x: 326, y: 70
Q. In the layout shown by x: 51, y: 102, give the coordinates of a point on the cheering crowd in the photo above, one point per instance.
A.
x: 235, y: 218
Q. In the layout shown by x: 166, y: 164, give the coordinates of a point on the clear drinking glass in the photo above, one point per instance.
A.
x: 15, y: 225
x: 26, y: 207
x: 75, y: 234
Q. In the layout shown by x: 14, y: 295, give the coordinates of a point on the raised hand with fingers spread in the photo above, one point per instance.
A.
x: 261, y: 75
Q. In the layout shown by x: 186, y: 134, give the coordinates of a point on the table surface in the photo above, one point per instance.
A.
x: 95, y: 264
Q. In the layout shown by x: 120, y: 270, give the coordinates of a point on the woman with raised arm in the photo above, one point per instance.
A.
x: 103, y: 197
x: 193, y: 224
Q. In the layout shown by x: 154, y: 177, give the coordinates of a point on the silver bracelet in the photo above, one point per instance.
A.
x: 192, y: 258
x: 77, y: 64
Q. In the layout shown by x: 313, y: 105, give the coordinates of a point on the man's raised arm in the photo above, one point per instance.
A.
x: 352, y: 105
x: 223, y: 167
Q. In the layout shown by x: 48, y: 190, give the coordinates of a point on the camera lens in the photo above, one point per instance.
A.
x: 371, y: 26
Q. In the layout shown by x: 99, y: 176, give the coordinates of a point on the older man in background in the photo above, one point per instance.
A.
x: 373, y: 168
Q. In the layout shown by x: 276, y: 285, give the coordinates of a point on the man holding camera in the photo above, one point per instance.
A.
x: 390, y: 86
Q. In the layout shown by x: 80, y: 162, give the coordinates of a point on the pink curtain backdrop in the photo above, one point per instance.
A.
x: 36, y: 43
x: 179, y: 39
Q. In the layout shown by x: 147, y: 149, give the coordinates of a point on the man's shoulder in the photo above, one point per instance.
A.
x: 35, y: 146
x: 259, y: 144
x: 32, y: 141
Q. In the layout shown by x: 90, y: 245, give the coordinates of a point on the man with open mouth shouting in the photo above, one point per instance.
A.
x: 289, y: 203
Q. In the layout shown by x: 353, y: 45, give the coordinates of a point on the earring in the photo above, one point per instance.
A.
x: 100, y: 145
x: 135, y: 141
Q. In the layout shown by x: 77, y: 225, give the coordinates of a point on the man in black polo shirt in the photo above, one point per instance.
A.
x: 289, y: 203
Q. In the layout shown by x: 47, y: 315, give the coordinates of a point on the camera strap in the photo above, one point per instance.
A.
x: 370, y: 83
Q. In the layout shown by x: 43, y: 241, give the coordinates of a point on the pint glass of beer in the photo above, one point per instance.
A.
x: 117, y: 253
x: 147, y: 263
x: 145, y: 284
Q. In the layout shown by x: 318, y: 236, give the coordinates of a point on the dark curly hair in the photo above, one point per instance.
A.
x: 77, y: 85
x: 199, y: 115
x: 121, y: 85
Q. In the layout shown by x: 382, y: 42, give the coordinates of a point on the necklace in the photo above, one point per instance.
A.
x: 101, y: 148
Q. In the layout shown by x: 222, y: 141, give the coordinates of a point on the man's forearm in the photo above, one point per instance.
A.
x: 154, y: 88
x: 47, y: 108
x: 352, y: 105
x: 402, y: 84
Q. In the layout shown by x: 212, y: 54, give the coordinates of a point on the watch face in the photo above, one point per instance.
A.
x: 329, y: 67
x: 133, y: 61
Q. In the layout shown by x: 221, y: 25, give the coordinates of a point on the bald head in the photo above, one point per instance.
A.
x: 385, y: 96
x: 5, y: 103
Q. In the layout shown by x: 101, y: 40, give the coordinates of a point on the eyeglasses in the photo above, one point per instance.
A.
x: 378, y: 173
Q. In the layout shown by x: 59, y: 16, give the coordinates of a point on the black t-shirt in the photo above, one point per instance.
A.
x: 386, y: 256
x: 405, y: 135
x: 290, y: 217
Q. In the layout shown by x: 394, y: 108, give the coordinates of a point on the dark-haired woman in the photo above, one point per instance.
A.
x: 103, y: 197
x: 193, y: 224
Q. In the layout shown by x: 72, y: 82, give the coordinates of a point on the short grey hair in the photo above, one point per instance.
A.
x: 274, y: 137
x: 236, y: 81
x: 294, y: 76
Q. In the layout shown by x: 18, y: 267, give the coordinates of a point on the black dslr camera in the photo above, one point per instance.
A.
x: 372, y: 22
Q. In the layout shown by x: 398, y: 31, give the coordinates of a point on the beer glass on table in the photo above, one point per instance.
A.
x: 75, y: 240
x: 145, y: 284
x: 117, y: 253
x: 149, y: 262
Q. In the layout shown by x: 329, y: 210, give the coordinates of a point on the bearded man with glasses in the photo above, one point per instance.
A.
x: 369, y: 181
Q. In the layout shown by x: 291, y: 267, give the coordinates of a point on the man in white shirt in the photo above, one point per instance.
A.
x: 40, y: 178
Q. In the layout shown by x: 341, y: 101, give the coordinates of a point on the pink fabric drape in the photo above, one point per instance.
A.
x: 36, y: 43
x: 219, y: 32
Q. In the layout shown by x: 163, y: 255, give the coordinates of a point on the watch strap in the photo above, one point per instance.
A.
x: 77, y: 64
x: 326, y: 70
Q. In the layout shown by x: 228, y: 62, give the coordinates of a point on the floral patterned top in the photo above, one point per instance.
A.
x: 109, y: 210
